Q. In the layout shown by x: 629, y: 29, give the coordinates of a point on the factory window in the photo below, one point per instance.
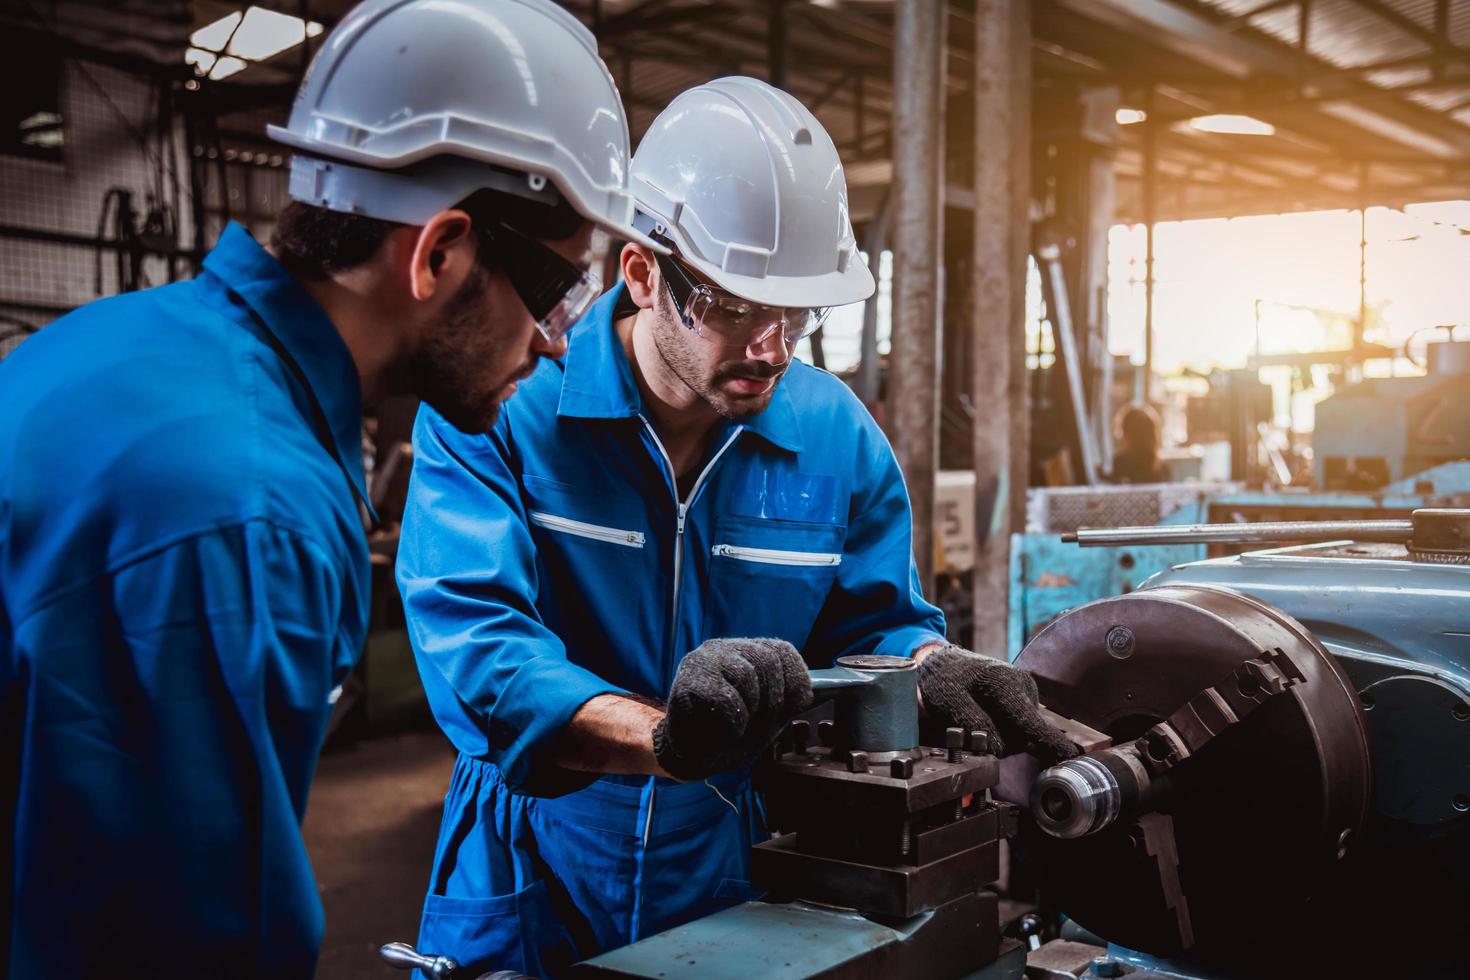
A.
x: 30, y: 97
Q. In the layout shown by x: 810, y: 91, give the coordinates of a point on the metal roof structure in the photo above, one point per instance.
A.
x: 1370, y: 99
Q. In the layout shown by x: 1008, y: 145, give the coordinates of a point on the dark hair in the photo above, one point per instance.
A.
x: 313, y: 242
x: 1140, y: 426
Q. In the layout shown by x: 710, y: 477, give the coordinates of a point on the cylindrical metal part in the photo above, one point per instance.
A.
x: 1076, y: 798
x: 1083, y: 795
x: 881, y: 716
x: 1392, y: 531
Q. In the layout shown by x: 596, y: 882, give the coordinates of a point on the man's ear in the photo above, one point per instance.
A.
x: 641, y: 273
x: 443, y: 254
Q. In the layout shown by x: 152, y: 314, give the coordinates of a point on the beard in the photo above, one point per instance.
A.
x: 449, y: 370
x: 676, y: 345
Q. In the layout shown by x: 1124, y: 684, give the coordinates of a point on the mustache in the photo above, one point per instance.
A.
x: 758, y: 371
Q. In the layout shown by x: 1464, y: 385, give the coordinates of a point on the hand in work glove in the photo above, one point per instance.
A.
x: 730, y: 699
x: 965, y: 690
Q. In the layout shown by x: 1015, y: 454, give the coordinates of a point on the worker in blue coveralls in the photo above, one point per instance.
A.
x: 184, y: 575
x: 676, y: 483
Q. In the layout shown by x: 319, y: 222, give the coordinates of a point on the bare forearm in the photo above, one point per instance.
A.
x: 927, y: 649
x: 611, y: 734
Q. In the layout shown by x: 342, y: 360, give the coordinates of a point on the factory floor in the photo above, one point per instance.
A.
x: 371, y: 823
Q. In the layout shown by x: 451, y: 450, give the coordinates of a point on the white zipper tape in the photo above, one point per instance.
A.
x: 770, y: 556
x: 581, y: 529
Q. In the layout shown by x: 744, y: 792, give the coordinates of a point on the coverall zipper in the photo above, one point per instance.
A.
x: 681, y: 510
x: 581, y: 529
x: 771, y: 556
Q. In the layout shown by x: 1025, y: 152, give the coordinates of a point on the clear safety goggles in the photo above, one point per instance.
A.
x: 726, y: 319
x: 555, y: 290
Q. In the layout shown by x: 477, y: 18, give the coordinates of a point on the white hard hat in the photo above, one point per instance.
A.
x: 413, y: 105
x: 747, y: 185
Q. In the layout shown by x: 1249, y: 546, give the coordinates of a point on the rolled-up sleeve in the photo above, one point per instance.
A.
x: 497, y: 678
x: 877, y: 604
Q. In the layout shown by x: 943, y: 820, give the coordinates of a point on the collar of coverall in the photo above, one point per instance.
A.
x: 304, y: 330
x: 598, y: 381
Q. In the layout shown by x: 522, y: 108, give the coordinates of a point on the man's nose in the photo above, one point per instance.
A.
x: 770, y: 346
x: 541, y: 347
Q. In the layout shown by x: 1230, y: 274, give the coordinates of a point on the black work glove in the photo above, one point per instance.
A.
x: 961, y: 689
x: 730, y: 699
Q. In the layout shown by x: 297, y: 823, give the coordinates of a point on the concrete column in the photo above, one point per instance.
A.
x: 916, y: 233
x: 1002, y: 241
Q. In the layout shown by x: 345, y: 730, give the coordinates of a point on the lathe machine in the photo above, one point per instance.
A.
x: 1275, y: 783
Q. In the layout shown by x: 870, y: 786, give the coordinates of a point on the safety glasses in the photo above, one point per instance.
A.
x: 725, y: 319
x: 556, y: 291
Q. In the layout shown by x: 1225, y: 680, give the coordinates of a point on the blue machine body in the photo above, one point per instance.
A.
x: 1049, y: 577
x: 778, y: 941
x: 1386, y: 429
x: 1401, y: 631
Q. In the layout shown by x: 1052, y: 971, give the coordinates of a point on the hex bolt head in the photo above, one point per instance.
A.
x: 800, y: 732
x: 901, y: 768
x: 1106, y: 966
x: 857, y: 762
x: 954, y: 740
x: 826, y: 732
x: 979, y: 743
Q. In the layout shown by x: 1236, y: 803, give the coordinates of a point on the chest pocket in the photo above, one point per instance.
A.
x: 770, y: 578
x: 578, y: 525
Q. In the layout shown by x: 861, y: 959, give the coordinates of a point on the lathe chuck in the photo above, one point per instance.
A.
x: 1245, y: 830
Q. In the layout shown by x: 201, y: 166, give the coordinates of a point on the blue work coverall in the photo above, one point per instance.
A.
x: 549, y: 562
x: 183, y: 582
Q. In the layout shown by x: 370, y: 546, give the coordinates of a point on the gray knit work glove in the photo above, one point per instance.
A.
x: 961, y: 689
x: 730, y: 699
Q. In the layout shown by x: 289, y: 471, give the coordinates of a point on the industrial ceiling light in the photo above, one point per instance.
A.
x: 202, y: 60
x: 1232, y: 125
x: 265, y: 33
x: 1127, y: 116
x: 214, y: 37
x: 228, y: 46
x: 227, y: 66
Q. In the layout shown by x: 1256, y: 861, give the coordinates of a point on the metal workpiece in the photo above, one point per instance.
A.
x: 876, y: 700
x: 1238, y: 720
x: 1079, y: 796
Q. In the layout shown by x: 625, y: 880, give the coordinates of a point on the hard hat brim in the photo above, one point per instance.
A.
x: 611, y: 223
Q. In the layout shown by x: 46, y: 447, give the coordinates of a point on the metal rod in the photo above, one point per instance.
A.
x: 1392, y: 532
x: 1069, y: 350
